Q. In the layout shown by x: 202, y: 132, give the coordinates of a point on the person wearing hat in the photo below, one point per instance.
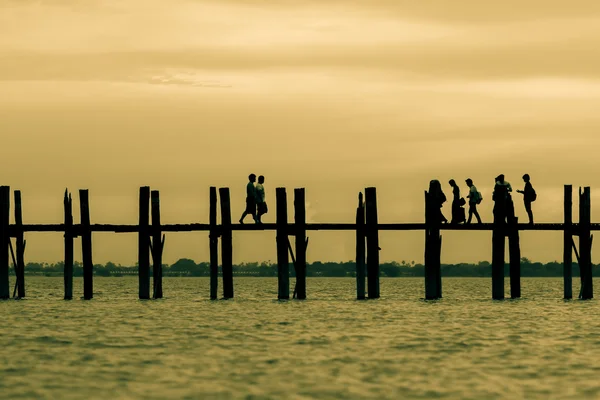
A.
x: 474, y: 198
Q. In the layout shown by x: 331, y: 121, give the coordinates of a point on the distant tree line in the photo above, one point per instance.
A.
x: 187, y: 267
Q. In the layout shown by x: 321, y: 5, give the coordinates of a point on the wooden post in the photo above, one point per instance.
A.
x: 300, y: 222
x: 585, y: 245
x: 568, y: 239
x: 157, y: 245
x: 213, y: 244
x: 69, y: 235
x: 514, y: 250
x: 144, y: 244
x: 372, y: 243
x: 498, y: 249
x: 4, y: 241
x: 86, y: 245
x: 433, y: 244
x: 283, y: 262
x: 226, y: 243
x: 20, y: 267
x: 360, y: 249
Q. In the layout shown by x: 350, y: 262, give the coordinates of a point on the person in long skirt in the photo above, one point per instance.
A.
x: 437, y: 198
x: 458, y: 211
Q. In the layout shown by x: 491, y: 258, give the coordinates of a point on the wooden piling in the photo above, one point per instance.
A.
x: 585, y: 245
x: 300, y: 225
x: 20, y: 241
x: 372, y: 243
x: 433, y: 248
x: 157, y: 245
x: 69, y: 235
x: 4, y: 241
x: 514, y: 249
x: 283, y: 262
x: 568, y: 239
x: 360, y: 249
x: 144, y: 244
x: 498, y: 249
x: 226, y: 243
x: 86, y: 245
x: 213, y: 244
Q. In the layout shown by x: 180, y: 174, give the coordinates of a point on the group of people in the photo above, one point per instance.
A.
x: 256, y: 206
x: 503, y: 205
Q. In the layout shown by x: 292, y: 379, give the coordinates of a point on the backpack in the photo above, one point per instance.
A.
x: 478, y: 197
x: 533, y: 195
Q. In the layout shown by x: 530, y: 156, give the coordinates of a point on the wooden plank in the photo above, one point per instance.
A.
x: 199, y: 227
x: 585, y: 245
x: 514, y: 249
x: 568, y: 238
x: 432, y: 270
x: 283, y: 262
x: 372, y: 243
x: 226, y: 243
x: 213, y: 244
x: 68, y: 267
x: 4, y: 241
x: 20, y: 246
x: 86, y: 245
x: 300, y: 231
x: 144, y: 244
x: 360, y: 249
x: 157, y: 245
x: 498, y: 250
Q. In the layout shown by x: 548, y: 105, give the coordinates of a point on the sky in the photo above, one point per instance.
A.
x: 333, y: 96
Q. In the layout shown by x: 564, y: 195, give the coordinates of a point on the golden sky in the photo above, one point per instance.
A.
x: 331, y: 95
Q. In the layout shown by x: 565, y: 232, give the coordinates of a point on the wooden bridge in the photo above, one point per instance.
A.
x: 151, y: 240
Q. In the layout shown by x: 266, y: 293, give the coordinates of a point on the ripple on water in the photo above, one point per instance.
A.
x: 464, y: 346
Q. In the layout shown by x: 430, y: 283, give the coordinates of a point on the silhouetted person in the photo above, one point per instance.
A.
x: 261, y: 204
x: 529, y: 196
x: 474, y: 199
x: 458, y: 212
x: 250, y: 199
x: 436, y: 199
x: 503, y: 206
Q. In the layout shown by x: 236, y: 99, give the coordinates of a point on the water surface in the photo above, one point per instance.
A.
x: 330, y: 346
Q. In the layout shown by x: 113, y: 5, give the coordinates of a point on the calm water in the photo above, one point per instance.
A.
x: 330, y: 346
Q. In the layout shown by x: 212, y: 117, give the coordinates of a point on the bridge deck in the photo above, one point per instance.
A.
x: 197, y: 227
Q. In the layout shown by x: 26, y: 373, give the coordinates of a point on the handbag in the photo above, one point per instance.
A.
x: 462, y: 201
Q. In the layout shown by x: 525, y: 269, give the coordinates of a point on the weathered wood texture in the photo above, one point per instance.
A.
x: 213, y: 244
x: 514, y: 250
x: 283, y: 262
x: 69, y: 245
x: 157, y: 245
x: 568, y: 238
x: 433, y: 248
x: 372, y: 243
x: 360, y: 249
x: 86, y: 245
x: 300, y: 233
x: 144, y: 244
x: 226, y: 243
x: 585, y: 245
x: 20, y: 247
x: 4, y: 241
x: 498, y: 250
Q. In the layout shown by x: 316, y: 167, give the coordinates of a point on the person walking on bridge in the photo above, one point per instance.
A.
x: 261, y: 204
x: 250, y: 199
x: 529, y: 196
x: 475, y: 198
